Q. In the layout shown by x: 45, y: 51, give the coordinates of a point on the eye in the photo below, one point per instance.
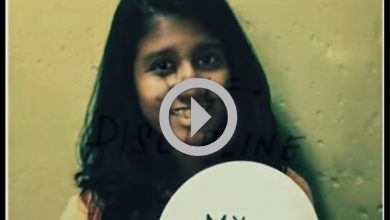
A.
x: 208, y: 62
x: 163, y: 67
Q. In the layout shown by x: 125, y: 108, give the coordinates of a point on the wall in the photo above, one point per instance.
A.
x: 54, y: 50
x: 323, y: 60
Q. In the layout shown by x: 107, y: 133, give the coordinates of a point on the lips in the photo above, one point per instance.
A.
x: 182, y: 115
x: 184, y: 112
x: 181, y: 109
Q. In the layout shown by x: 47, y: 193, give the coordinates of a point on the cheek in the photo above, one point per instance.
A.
x: 220, y: 77
x: 151, y: 90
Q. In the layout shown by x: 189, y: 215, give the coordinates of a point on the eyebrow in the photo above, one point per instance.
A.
x: 171, y: 52
x: 208, y: 46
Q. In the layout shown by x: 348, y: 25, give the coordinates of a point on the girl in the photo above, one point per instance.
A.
x: 128, y: 170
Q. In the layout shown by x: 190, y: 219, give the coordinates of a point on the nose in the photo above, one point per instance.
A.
x: 199, y: 94
x: 184, y: 72
x: 187, y: 71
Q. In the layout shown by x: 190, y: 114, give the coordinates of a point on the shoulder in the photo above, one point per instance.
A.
x: 300, y: 182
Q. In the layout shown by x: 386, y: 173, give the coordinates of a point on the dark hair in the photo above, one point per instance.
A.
x: 128, y: 180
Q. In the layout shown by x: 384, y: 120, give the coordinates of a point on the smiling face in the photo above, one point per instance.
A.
x: 175, y: 50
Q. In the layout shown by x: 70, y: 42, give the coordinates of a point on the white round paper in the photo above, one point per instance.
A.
x: 239, y: 190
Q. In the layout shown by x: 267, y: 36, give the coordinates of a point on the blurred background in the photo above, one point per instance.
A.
x: 323, y: 60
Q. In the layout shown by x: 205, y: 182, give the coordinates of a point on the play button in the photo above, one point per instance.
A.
x: 199, y: 117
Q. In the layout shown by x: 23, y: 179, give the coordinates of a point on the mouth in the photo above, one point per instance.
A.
x: 183, y: 112
x: 182, y: 115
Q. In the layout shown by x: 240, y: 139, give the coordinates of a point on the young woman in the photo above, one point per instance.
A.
x: 128, y: 170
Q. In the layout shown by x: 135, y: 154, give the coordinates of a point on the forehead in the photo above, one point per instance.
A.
x: 174, y: 32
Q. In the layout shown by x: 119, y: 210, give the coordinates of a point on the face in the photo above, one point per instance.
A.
x: 172, y: 51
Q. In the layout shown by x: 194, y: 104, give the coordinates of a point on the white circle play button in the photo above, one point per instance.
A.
x: 240, y: 190
x: 198, y: 117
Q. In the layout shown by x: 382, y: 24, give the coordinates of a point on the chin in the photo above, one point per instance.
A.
x: 196, y: 140
x: 184, y: 136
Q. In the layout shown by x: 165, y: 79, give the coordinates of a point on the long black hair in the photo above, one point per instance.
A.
x: 126, y: 166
